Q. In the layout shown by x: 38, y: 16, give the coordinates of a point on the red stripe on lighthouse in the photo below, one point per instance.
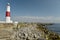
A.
x: 7, y: 14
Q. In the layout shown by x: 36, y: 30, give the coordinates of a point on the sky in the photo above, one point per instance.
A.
x: 32, y: 10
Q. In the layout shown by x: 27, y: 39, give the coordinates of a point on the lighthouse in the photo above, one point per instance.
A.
x: 8, y: 16
x: 8, y: 20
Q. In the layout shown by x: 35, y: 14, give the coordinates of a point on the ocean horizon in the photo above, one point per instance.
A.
x: 55, y: 28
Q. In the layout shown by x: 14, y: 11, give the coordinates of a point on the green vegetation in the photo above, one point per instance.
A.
x: 49, y: 35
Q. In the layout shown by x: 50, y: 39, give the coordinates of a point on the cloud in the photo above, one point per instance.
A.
x: 37, y: 19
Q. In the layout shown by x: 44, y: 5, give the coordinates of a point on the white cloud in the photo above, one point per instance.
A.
x: 37, y: 19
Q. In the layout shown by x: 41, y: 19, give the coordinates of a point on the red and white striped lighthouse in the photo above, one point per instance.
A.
x: 8, y: 14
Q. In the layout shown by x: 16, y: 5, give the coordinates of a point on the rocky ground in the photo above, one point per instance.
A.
x: 28, y: 33
x: 23, y: 33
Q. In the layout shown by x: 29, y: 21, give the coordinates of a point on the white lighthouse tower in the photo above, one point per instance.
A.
x: 8, y: 20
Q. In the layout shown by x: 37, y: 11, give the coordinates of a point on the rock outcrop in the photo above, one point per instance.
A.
x: 29, y: 32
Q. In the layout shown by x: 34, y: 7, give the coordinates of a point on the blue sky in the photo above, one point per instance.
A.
x: 32, y: 10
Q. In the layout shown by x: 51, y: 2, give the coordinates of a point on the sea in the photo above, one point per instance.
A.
x: 55, y: 28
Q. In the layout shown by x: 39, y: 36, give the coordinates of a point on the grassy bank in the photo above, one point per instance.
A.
x: 49, y: 35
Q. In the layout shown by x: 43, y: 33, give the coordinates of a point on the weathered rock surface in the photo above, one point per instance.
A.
x: 23, y: 33
x: 28, y: 33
